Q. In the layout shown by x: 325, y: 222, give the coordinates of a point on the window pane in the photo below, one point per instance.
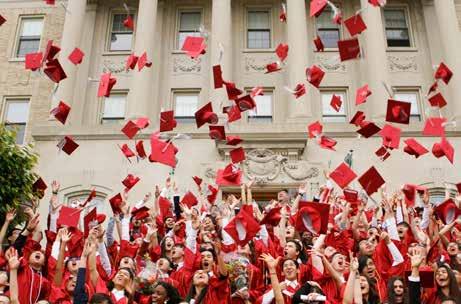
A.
x: 121, y: 42
x: 258, y: 20
x: 117, y: 23
x: 263, y: 111
x: 20, y: 130
x: 17, y: 112
x: 395, y: 19
x: 325, y: 20
x: 185, y: 105
x: 259, y: 39
x: 411, y: 97
x: 190, y: 21
x: 329, y: 114
x: 397, y: 37
x: 26, y: 46
x: 32, y: 27
x: 329, y: 37
x: 114, y: 106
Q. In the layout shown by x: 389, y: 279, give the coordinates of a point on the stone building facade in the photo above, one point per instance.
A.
x: 401, y: 46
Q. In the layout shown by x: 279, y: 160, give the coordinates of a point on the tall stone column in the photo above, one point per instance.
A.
x: 221, y: 33
x: 297, y: 57
x: 71, y: 38
x: 374, y: 45
x: 450, y: 37
x: 141, y: 101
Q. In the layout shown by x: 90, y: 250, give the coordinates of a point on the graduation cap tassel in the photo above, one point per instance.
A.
x: 65, y: 8
x: 348, y: 158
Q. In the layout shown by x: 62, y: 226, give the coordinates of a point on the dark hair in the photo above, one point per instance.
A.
x: 294, y: 261
x: 305, y: 289
x: 209, y: 250
x: 373, y: 297
x: 284, y: 190
x: 163, y: 246
x: 191, y: 294
x: 363, y: 259
x: 299, y: 246
x: 454, y: 289
x: 171, y: 292
x: 100, y: 298
x: 405, y: 224
x: 391, y: 293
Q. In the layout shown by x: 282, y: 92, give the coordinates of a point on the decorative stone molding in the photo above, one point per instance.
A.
x: 258, y: 64
x: 115, y: 67
x: 263, y: 165
x: 330, y: 62
x: 402, y: 63
x: 184, y: 64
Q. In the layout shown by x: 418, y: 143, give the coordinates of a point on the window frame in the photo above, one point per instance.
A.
x: 16, y: 99
x: 345, y: 103
x: 110, y: 24
x: 18, y: 34
x: 339, y: 28
x: 262, y: 119
x: 269, y: 10
x: 101, y: 196
x: 112, y: 120
x: 409, y: 90
x: 178, y: 22
x: 184, y: 92
x: 408, y: 22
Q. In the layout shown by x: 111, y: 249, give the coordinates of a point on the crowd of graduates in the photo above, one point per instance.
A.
x: 172, y: 249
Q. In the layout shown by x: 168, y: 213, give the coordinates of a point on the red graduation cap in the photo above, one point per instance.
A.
x: 189, y: 199
x: 433, y: 87
x: 283, y: 14
x: 130, y: 180
x: 313, y: 217
x: 229, y: 176
x: 355, y: 24
x: 371, y: 181
x: 272, y: 217
x: 164, y: 206
x: 377, y: 3
x: 242, y: 228
x: 255, y: 91
x: 142, y: 62
x: 383, y: 153
x: 443, y: 148
x: 61, y: 112
x: 349, y: 49
x: 444, y: 73
x: 217, y: 76
x: 327, y: 143
x: 398, y: 111
x: 369, y: 129
x: 127, y: 249
x: 233, y: 140
x: 358, y: 119
x: 434, y: 126
x: 197, y: 180
x: 233, y: 113
x: 140, y: 213
x: 92, y: 219
x: 391, y: 136
x: 458, y: 187
x: 217, y: 132
x: 68, y: 145
x: 34, y: 61
x: 39, y: 185
x: 68, y: 217
x: 351, y: 195
x: 116, y: 203
x: 142, y: 122
x: 232, y: 91
x: 194, y: 46
x: 76, y: 56
x: 314, y: 129
x: 343, y: 175
x: 131, y: 62
x: 272, y: 67
x: 237, y: 155
x: 50, y: 2
x: 2, y: 20
x: 414, y: 148
x: 50, y: 51
x: 128, y: 22
x: 54, y: 71
x: 409, y: 192
x: 212, y: 194
x: 319, y: 44
x: 314, y: 75
x: 336, y: 103
x: 167, y: 121
x: 245, y: 103
x: 299, y: 90
x: 282, y: 51
x: 447, y: 211
x: 140, y: 149
x: 127, y: 151
x: 205, y: 115
x: 437, y: 100
x: 130, y: 129
x: 362, y: 94
x: 317, y: 7
x: 106, y: 84
x: 162, y: 152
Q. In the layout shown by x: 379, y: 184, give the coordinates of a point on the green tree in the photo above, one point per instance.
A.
x: 16, y: 171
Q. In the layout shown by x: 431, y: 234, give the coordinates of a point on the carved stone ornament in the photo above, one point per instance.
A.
x: 330, y: 62
x: 257, y: 64
x: 113, y: 67
x: 402, y: 63
x: 184, y: 64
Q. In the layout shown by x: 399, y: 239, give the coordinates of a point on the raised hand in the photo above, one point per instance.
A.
x: 10, y: 215
x: 270, y: 261
x: 157, y: 191
x: 11, y: 255
x: 416, y: 259
x: 302, y: 188
x: 55, y: 186
x: 354, y: 264
x: 65, y: 235
x: 33, y: 223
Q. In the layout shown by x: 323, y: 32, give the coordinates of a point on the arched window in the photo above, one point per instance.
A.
x: 99, y: 201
